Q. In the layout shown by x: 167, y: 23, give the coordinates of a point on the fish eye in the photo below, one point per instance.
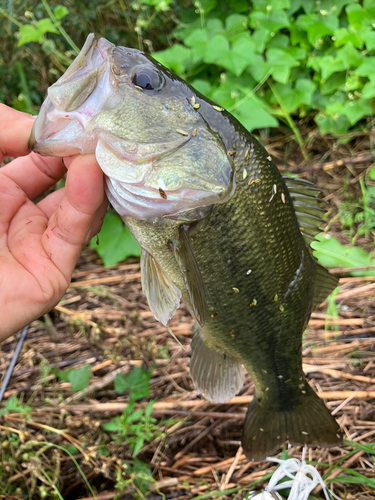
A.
x: 148, y: 79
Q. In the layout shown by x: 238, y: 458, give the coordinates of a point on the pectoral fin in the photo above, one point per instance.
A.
x: 162, y: 294
x: 191, y: 274
x: 216, y: 375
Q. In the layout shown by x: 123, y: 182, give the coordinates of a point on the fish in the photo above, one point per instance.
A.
x: 218, y: 225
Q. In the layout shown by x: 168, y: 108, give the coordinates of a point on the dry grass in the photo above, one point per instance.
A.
x: 104, y: 321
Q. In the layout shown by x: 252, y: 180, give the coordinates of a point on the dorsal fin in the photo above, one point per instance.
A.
x: 307, y: 205
x: 190, y: 272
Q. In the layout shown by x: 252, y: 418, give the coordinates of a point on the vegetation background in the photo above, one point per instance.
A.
x: 299, y: 74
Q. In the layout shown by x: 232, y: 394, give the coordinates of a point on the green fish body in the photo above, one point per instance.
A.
x: 218, y: 225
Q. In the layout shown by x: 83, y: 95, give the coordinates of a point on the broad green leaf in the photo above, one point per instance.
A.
x: 272, y: 21
x: 46, y: 26
x: 139, y: 383
x: 333, y: 83
x: 349, y: 56
x: 216, y: 49
x: 280, y: 63
x: 328, y: 65
x: 260, y: 37
x: 60, y: 12
x: 197, y: 40
x: 368, y: 91
x: 116, y: 243
x: 330, y: 253
x: 355, y: 110
x: 343, y: 36
x: 358, y: 17
x: 113, y: 426
x: 207, y: 5
x: 252, y: 114
x: 177, y: 58
x: 79, y: 378
x: 335, y: 125
x: 28, y: 33
x: 13, y: 404
x: 120, y: 383
x: 367, y: 68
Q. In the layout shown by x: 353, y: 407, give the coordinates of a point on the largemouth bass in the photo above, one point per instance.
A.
x: 218, y: 225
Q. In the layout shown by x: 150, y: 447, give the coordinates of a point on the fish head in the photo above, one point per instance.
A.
x: 159, y: 155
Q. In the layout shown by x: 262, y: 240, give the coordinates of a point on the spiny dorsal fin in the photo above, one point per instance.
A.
x: 307, y: 205
x: 190, y: 272
x: 324, y: 284
x: 162, y: 294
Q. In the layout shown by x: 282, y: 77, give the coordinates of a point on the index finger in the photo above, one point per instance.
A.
x: 15, y: 130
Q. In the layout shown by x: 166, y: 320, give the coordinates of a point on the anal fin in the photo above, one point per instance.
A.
x: 216, y: 375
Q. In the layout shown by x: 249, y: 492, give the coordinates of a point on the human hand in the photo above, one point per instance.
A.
x: 40, y: 243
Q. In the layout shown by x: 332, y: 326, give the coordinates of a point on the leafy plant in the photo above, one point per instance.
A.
x: 134, y: 426
x: 78, y: 377
x: 13, y: 404
x: 115, y: 242
x: 331, y: 253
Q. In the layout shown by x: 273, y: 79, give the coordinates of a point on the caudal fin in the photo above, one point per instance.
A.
x: 310, y: 422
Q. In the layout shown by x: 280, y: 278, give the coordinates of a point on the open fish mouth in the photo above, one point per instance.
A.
x: 157, y: 153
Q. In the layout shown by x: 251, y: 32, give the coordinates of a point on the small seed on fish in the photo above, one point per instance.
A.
x: 280, y: 377
x: 301, y: 386
x: 236, y: 290
x: 250, y: 181
x: 264, y: 371
x: 269, y: 158
x: 192, y: 100
x: 281, y: 307
x: 258, y: 181
x: 288, y: 381
x: 253, y: 303
x: 283, y: 197
x: 218, y: 108
x: 231, y: 334
x: 194, y: 132
x: 115, y: 70
x: 247, y: 155
x: 162, y: 193
x: 231, y: 152
x: 303, y: 392
x: 196, y: 106
x: 138, y: 88
x: 266, y: 389
x: 182, y: 132
x: 305, y: 433
x: 273, y: 192
x: 261, y: 430
x: 276, y: 297
x: 244, y: 174
x: 248, y: 272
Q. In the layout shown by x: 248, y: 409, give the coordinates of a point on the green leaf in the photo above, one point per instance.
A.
x: 13, y: 404
x: 216, y: 49
x: 120, y: 383
x: 113, y: 426
x: 333, y: 83
x: 177, y: 58
x: 367, y: 68
x: 349, y: 56
x: 355, y: 110
x: 281, y: 63
x: 28, y: 33
x: 358, y: 17
x: 60, y: 11
x: 272, y: 21
x: 330, y: 253
x: 343, y: 36
x: 116, y: 243
x: 335, y: 125
x: 138, y: 380
x: 368, y: 91
x: 79, y: 378
x: 253, y: 114
x: 46, y: 26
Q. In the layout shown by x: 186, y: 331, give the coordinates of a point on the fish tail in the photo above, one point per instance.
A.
x: 307, y: 422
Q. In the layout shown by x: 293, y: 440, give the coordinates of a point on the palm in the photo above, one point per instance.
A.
x: 40, y: 244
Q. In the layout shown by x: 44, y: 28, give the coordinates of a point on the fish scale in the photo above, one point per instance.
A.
x: 217, y: 224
